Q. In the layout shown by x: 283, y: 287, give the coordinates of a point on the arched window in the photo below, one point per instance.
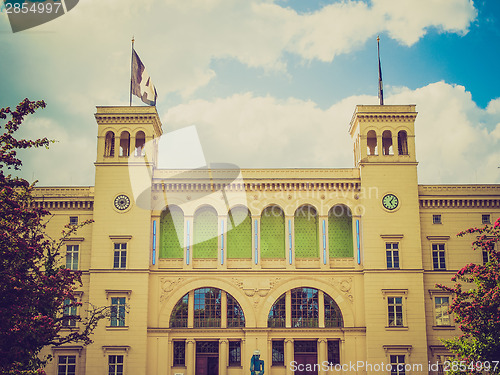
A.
x: 333, y: 316
x: 207, y: 307
x: 272, y: 233
x: 277, y: 315
x: 179, y: 316
x: 235, y: 316
x: 239, y: 235
x: 305, y: 310
x: 140, y: 141
x: 109, y: 144
x: 306, y: 232
x: 172, y: 233
x: 125, y: 143
x: 207, y: 310
x: 205, y: 233
x: 371, y: 141
x: 387, y: 142
x: 402, y: 143
x: 340, y: 244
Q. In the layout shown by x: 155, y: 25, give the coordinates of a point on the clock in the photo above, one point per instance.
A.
x: 390, y: 202
x: 122, y: 202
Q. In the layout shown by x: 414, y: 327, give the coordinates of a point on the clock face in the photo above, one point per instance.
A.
x: 122, y: 202
x: 390, y: 201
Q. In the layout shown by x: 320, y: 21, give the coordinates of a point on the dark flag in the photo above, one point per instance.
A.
x: 380, y: 84
x: 141, y: 84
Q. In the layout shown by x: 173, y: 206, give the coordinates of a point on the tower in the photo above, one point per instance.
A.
x: 384, y: 152
x: 121, y: 237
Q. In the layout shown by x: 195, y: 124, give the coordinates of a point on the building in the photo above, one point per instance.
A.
x: 203, y: 267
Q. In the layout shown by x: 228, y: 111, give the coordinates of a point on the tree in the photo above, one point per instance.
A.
x: 33, y: 284
x: 477, y: 308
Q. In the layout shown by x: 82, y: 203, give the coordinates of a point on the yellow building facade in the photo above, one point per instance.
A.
x: 320, y: 270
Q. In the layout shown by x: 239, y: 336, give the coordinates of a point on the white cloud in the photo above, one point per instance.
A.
x: 251, y: 131
x: 178, y: 40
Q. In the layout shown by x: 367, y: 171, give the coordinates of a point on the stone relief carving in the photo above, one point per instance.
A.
x: 167, y: 285
x: 256, y: 288
x: 344, y: 284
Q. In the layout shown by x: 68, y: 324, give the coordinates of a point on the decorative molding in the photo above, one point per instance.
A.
x: 128, y: 292
x: 256, y: 288
x: 79, y: 239
x: 438, y: 238
x: 106, y: 348
x: 397, y: 349
x: 167, y: 286
x: 392, y: 236
x: 478, y: 202
x: 395, y: 292
x: 344, y: 284
x: 120, y: 237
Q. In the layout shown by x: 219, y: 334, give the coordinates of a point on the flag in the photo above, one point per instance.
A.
x: 142, y: 86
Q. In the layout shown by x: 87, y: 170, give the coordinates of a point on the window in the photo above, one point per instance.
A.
x: 486, y: 219
x: 109, y: 144
x: 334, y: 352
x: 436, y: 219
x: 140, y: 141
x: 441, y: 306
x: 371, y: 142
x: 69, y: 314
x: 73, y: 220
x: 72, y: 257
x: 66, y: 365
x: 179, y: 317
x: 207, y: 307
x: 235, y: 316
x: 487, y: 253
x: 438, y: 260
x: 397, y: 364
x: 392, y: 255
x: 278, y: 358
x: 441, y: 359
x: 402, y: 143
x: 277, y: 314
x: 387, y: 143
x: 125, y: 144
x: 115, y: 365
x: 234, y: 353
x: 305, y: 308
x: 395, y: 310
x: 179, y: 353
x: 120, y: 256
x: 117, y: 311
x: 333, y: 316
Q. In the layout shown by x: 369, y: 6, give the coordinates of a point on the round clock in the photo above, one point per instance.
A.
x: 122, y: 202
x: 390, y: 202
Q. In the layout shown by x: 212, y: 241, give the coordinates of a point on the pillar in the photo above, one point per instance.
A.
x: 223, y: 362
x: 223, y: 307
x: 322, y: 353
x: 289, y: 351
x: 190, y: 357
x: 321, y: 309
x: 191, y: 309
x: 288, y: 309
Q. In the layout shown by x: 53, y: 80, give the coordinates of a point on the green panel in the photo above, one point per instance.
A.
x: 272, y: 233
x: 306, y: 232
x: 340, y: 232
x: 239, y: 235
x: 205, y: 234
x: 172, y: 233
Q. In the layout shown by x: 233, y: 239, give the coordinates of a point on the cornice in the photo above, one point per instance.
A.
x: 470, y: 202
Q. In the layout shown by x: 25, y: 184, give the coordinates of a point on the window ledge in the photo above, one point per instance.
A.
x: 179, y: 367
x: 443, y: 327
x: 117, y: 328
x: 399, y: 328
x: 277, y: 365
x: 235, y: 366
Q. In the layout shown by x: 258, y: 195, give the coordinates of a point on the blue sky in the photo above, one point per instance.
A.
x: 267, y: 83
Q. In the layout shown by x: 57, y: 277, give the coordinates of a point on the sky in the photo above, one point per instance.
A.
x: 267, y: 83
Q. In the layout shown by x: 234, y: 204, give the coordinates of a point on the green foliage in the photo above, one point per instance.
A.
x: 477, y: 308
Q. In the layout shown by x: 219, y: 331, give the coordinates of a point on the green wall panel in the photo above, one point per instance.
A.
x: 172, y: 234
x: 306, y: 232
x: 239, y: 235
x: 272, y: 233
x: 205, y: 234
x: 340, y: 232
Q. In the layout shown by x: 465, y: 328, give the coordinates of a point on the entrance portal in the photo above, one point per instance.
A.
x: 207, y: 357
x: 306, y: 357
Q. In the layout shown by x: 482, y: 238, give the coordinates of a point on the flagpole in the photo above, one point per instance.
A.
x: 380, y: 84
x: 131, y: 70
